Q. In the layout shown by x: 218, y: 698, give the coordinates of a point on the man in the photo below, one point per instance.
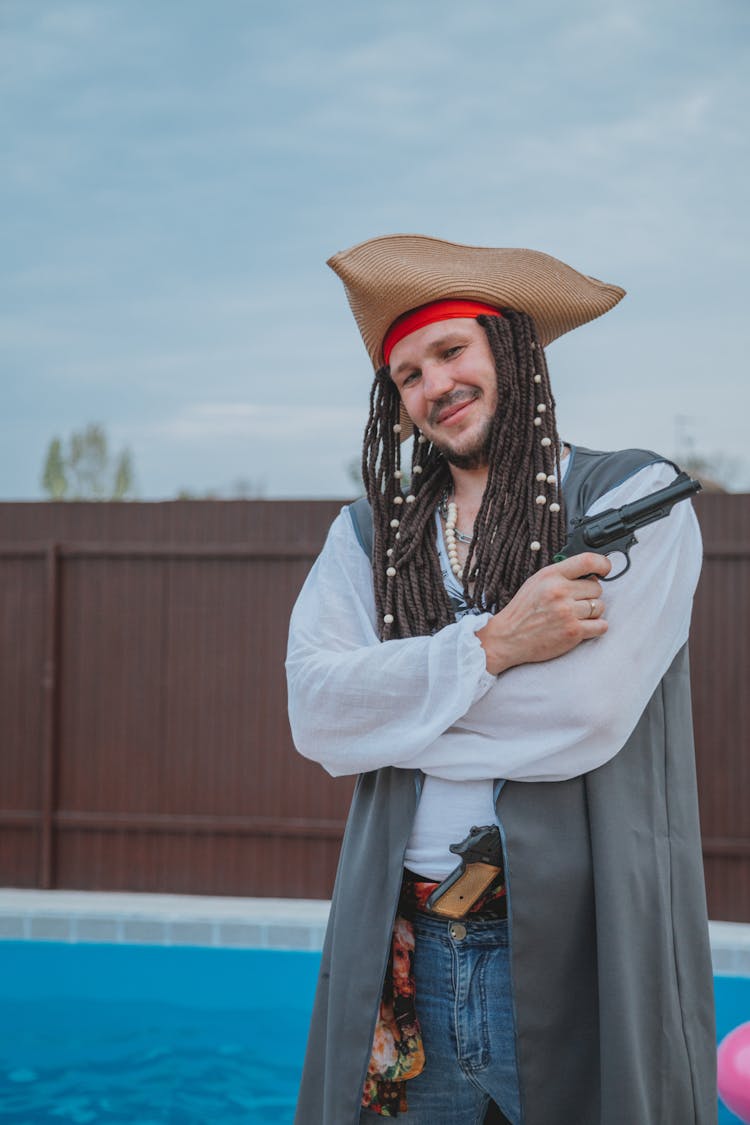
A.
x: 471, y: 681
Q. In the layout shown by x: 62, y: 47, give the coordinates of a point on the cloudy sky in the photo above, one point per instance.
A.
x: 175, y: 173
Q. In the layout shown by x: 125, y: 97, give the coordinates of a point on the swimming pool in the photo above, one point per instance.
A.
x: 146, y: 1035
x: 140, y: 1035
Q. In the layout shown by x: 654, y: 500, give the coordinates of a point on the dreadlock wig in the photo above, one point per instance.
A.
x: 521, y: 522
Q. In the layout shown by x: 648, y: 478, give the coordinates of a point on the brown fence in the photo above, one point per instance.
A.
x: 143, y: 734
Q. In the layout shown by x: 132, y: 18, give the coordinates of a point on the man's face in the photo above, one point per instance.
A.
x: 445, y: 374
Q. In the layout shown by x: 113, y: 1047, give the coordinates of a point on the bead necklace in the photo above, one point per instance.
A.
x: 449, y: 512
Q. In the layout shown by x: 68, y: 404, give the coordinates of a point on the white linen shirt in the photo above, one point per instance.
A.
x: 428, y: 703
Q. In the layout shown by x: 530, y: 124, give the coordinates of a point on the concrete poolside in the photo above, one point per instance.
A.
x: 257, y: 923
x: 155, y: 919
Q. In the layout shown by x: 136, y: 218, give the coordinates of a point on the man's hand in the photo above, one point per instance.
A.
x: 551, y: 614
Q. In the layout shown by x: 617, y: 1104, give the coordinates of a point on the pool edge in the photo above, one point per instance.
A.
x: 206, y: 920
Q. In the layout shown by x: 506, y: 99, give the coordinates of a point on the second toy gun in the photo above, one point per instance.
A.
x: 613, y: 531
x: 481, y: 861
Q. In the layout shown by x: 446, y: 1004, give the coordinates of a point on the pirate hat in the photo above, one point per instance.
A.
x: 388, y: 276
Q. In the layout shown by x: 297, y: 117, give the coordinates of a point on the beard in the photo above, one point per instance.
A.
x: 476, y: 456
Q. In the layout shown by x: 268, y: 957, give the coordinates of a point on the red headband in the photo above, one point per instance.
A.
x: 448, y: 309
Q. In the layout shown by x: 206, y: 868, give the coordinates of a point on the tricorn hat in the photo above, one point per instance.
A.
x: 386, y: 277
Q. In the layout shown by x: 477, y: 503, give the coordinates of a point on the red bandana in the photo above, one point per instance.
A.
x: 449, y: 309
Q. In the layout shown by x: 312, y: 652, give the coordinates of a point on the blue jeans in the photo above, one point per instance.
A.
x: 465, y: 1010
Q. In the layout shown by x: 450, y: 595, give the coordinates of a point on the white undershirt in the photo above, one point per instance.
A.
x: 428, y: 703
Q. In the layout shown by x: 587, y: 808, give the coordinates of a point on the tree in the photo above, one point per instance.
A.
x: 123, y: 476
x: 354, y: 473
x: 717, y: 472
x: 243, y: 488
x: 54, y: 479
x: 87, y: 462
x: 85, y: 470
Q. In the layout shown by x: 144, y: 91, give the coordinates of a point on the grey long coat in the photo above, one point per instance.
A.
x: 611, y: 966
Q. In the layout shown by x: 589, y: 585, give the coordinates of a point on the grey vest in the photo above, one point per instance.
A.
x: 611, y: 966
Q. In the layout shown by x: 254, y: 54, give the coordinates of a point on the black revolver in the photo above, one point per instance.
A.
x: 481, y: 855
x: 614, y: 530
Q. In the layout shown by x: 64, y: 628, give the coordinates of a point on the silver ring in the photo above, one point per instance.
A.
x: 592, y: 608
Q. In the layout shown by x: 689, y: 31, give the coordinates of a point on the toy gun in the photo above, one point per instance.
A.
x: 481, y: 861
x: 614, y: 530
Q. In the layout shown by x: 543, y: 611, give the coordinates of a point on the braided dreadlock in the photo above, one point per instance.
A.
x: 516, y: 530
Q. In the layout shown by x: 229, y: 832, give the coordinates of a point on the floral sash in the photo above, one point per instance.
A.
x: 397, y: 1049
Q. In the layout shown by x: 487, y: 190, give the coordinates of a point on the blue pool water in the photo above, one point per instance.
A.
x: 140, y: 1035
x: 143, y: 1035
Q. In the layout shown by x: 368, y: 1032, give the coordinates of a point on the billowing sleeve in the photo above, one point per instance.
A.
x: 558, y: 719
x: 428, y: 702
x: 356, y: 704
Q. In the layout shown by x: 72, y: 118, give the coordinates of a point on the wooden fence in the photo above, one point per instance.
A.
x: 143, y: 735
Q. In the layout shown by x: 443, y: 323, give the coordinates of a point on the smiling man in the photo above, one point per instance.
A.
x: 445, y: 375
x: 515, y: 712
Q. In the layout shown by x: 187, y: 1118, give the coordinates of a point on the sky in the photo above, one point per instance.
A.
x: 175, y: 173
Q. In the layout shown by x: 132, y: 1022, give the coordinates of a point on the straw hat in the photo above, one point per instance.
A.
x: 386, y: 277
